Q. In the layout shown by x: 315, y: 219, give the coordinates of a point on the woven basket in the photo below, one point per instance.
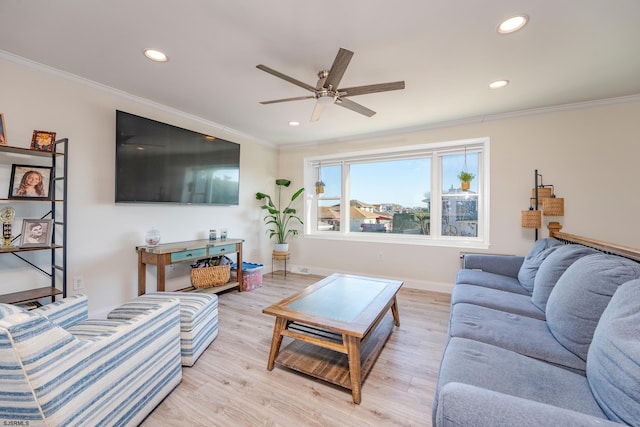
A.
x: 207, y: 277
x: 553, y: 206
x: 543, y: 192
x: 531, y: 219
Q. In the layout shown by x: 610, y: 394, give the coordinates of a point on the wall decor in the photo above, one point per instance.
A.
x: 30, y: 182
x: 3, y: 131
x: 36, y: 232
x: 43, y: 140
x: 7, y: 214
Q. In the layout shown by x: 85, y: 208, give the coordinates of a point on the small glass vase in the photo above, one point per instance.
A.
x: 152, y: 237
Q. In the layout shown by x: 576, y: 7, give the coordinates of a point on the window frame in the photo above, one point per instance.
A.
x: 435, y: 151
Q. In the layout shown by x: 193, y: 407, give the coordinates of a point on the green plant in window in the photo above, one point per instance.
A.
x: 465, y: 176
x: 279, y: 219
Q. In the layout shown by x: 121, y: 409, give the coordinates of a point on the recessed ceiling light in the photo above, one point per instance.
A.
x: 156, y: 55
x: 498, y: 84
x: 513, y: 24
x: 294, y: 123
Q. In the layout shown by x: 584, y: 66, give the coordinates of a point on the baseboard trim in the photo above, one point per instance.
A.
x: 424, y: 285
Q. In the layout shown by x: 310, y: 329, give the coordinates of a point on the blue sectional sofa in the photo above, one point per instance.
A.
x: 59, y: 368
x: 551, y: 338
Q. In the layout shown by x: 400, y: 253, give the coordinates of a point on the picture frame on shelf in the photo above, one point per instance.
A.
x: 43, y: 140
x: 30, y: 182
x: 3, y: 131
x: 36, y: 233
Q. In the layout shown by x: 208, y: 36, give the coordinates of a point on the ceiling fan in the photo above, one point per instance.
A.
x: 326, y: 90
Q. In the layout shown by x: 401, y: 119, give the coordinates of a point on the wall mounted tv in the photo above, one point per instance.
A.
x: 160, y: 163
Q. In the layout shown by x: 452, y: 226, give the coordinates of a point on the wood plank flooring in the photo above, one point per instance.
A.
x: 230, y: 384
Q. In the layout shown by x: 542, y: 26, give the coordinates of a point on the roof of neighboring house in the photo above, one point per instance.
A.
x: 357, y: 213
x: 329, y: 213
x: 359, y: 204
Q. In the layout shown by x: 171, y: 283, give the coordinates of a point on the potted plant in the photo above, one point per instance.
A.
x: 278, y: 218
x: 465, y: 179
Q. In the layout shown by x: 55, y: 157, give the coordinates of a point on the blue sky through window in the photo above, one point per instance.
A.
x: 404, y: 182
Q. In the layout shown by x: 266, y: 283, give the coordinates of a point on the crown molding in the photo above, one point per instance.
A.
x: 45, y: 69
x: 470, y: 120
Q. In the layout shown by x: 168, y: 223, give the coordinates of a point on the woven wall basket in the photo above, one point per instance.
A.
x: 553, y: 206
x: 207, y: 277
x: 531, y: 219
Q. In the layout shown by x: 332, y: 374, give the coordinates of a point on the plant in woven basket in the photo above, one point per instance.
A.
x: 465, y: 179
x: 465, y: 176
x: 281, y: 221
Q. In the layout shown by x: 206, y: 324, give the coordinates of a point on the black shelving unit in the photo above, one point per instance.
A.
x: 56, y: 270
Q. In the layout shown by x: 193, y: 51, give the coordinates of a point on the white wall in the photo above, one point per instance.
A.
x: 590, y: 154
x: 102, y: 235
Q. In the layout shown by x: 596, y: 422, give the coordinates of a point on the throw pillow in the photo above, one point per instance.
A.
x: 581, y: 295
x: 552, y: 268
x: 540, y: 250
x: 613, y: 365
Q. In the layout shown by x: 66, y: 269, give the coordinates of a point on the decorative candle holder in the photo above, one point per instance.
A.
x: 6, y: 216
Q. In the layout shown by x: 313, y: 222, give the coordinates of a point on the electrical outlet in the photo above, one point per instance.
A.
x: 78, y: 283
x: 380, y: 256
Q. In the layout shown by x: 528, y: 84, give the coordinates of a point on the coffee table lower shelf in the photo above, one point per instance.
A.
x: 332, y: 366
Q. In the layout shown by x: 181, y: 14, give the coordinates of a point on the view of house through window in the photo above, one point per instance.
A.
x: 459, y: 207
x: 417, y: 193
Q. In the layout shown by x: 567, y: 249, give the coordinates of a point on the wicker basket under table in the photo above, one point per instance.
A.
x: 206, y: 277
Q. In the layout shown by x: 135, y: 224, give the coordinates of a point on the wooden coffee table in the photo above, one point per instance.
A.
x: 339, y: 326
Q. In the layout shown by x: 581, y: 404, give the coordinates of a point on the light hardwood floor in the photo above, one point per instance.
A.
x: 230, y: 384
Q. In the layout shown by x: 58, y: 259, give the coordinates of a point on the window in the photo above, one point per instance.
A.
x: 411, y: 194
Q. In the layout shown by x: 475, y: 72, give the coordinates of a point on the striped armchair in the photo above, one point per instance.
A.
x: 59, y: 368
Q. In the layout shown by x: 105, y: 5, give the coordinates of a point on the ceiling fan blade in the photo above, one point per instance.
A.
x: 317, y: 111
x: 354, y: 106
x: 380, y: 87
x: 285, y: 77
x: 338, y: 68
x: 297, y: 98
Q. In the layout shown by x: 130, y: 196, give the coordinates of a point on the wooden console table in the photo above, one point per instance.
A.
x: 178, y: 252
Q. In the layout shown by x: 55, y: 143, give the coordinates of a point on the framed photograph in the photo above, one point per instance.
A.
x: 30, y: 182
x: 43, y: 140
x: 3, y: 131
x: 36, y: 232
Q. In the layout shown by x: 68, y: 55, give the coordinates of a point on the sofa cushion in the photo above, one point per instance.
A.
x: 490, y: 280
x: 540, y: 250
x: 7, y: 310
x: 67, y: 312
x: 552, y: 268
x: 520, y: 334
x: 493, y: 368
x: 496, y: 299
x: 613, y: 365
x: 581, y: 295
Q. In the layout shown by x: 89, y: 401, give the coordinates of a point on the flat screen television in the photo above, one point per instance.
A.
x: 160, y: 163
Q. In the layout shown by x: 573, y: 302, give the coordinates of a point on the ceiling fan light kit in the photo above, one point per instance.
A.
x: 326, y: 90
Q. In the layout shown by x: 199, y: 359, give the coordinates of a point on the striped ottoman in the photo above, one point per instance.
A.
x: 198, y: 322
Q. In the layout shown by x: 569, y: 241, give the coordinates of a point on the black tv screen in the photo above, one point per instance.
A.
x: 161, y: 163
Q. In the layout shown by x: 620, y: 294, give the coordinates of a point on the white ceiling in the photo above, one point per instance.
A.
x: 447, y: 51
